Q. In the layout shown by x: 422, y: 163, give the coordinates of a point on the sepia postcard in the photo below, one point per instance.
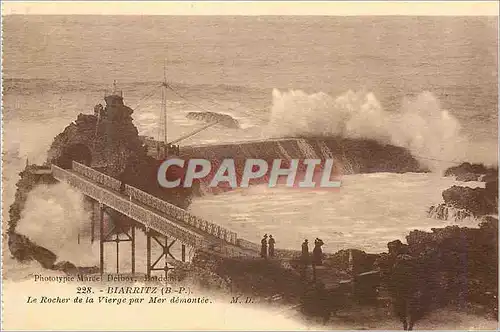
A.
x: 249, y: 165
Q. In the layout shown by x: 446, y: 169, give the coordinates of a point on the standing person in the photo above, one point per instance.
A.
x: 271, y: 245
x: 403, y: 290
x: 305, y: 251
x: 263, y: 248
x: 317, y: 252
x: 304, y: 258
x: 406, y: 284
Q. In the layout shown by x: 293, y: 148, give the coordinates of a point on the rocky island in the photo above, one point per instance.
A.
x: 462, y: 202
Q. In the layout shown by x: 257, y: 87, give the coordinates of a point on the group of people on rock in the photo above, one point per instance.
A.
x: 317, y: 254
x: 267, y: 246
x: 267, y: 250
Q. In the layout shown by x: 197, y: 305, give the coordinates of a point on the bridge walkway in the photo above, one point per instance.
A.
x: 150, y: 217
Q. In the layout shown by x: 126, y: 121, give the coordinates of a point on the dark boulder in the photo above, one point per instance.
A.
x: 23, y: 249
x: 458, y: 264
x: 355, y: 259
x: 479, y: 201
x: 471, y: 172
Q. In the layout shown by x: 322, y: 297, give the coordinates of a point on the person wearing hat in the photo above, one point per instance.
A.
x: 272, y: 241
x: 317, y: 252
x: 263, y: 248
x: 305, y: 251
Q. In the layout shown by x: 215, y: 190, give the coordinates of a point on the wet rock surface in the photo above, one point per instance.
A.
x: 444, y: 212
x: 462, y: 202
x: 447, y: 267
x: 23, y: 249
x: 479, y: 201
x: 472, y: 172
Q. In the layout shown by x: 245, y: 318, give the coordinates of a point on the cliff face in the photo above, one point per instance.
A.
x: 106, y: 140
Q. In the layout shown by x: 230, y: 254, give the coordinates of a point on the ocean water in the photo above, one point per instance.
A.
x: 427, y: 84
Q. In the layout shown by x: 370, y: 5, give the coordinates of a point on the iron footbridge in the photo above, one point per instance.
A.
x: 158, y: 217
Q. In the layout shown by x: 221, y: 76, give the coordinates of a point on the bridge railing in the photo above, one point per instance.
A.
x: 138, y: 213
x: 182, y: 215
x: 96, y: 176
x: 161, y: 205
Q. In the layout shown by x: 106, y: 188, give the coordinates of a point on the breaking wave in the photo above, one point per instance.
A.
x: 422, y: 126
x: 55, y: 218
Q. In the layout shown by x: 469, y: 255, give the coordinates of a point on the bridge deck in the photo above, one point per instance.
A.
x: 148, y: 216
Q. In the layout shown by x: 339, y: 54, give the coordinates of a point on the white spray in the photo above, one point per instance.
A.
x: 428, y: 131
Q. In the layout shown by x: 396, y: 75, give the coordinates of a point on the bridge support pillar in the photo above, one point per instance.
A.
x: 113, y: 235
x: 148, y: 250
x: 117, y: 240
x: 92, y: 223
x: 101, y: 238
x: 132, y: 249
x: 165, y: 252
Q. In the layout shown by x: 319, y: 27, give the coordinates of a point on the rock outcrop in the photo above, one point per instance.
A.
x: 479, y: 201
x: 24, y: 250
x: 445, y: 212
x: 451, y: 266
x: 472, y: 172
x: 108, y: 141
x: 464, y: 202
x: 209, y: 117
x: 351, y: 156
x: 356, y: 156
x: 459, y: 264
x: 351, y: 259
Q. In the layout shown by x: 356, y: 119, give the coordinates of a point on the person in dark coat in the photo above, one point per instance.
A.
x: 406, y: 283
x: 305, y: 251
x: 402, y: 288
x: 271, y: 246
x: 263, y: 248
x: 317, y: 252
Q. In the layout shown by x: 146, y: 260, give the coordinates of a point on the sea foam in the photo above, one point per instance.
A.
x: 432, y: 134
